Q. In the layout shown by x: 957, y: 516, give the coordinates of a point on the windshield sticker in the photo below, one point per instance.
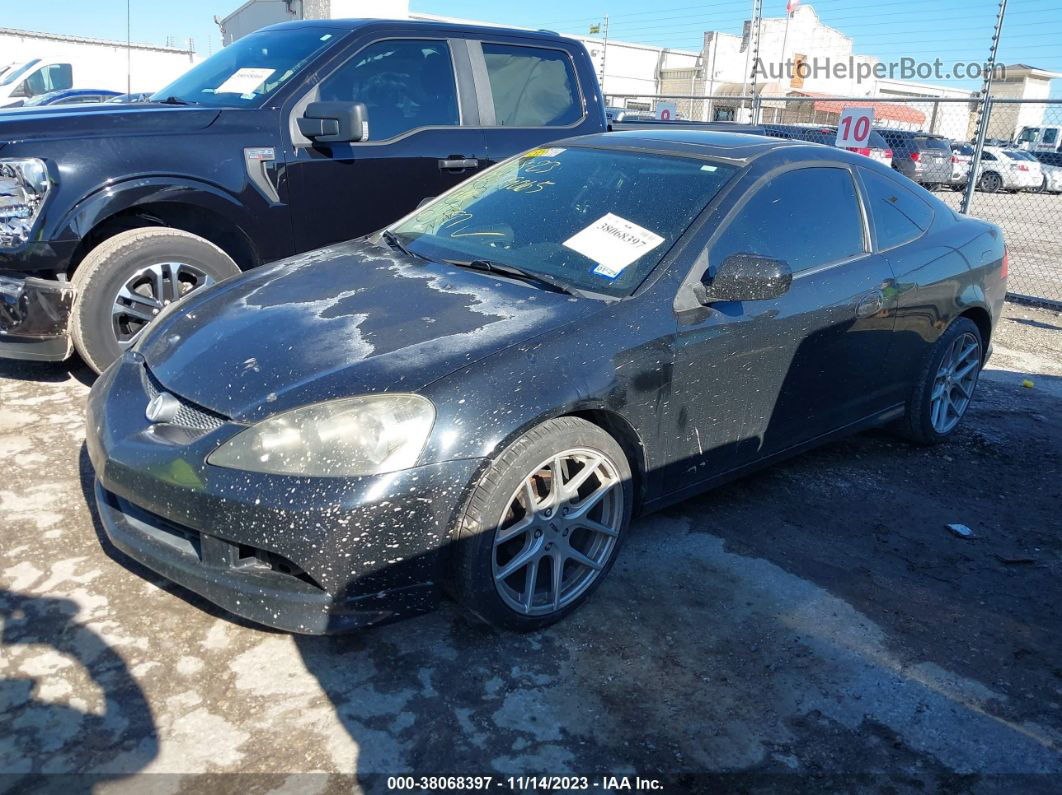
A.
x: 244, y: 81
x: 613, y: 243
x: 553, y: 151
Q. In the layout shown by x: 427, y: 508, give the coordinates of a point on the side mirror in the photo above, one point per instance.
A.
x: 748, y: 277
x: 334, y: 122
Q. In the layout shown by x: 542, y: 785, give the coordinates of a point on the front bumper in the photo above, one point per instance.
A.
x: 308, y: 555
x: 34, y: 314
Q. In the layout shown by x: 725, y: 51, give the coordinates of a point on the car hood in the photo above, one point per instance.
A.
x: 340, y: 321
x: 58, y: 121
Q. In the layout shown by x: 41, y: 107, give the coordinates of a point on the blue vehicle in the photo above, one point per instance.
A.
x: 68, y: 96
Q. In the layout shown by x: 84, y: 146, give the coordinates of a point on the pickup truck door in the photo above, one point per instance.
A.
x: 422, y: 140
x: 529, y: 95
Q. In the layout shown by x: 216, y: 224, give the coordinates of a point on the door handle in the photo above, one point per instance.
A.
x: 458, y: 163
x: 870, y: 305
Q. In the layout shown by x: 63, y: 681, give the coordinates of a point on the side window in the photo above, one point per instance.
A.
x: 404, y: 84
x: 532, y: 87
x: 899, y: 215
x: 1050, y: 135
x: 54, y: 77
x: 987, y: 155
x: 807, y: 218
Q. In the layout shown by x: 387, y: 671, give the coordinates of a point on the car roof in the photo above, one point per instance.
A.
x: 457, y: 27
x: 691, y: 143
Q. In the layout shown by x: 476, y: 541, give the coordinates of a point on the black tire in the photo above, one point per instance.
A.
x: 112, y: 264
x: 990, y: 182
x: 916, y: 424
x: 473, y: 562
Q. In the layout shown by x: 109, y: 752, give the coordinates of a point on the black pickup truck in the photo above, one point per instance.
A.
x: 296, y: 136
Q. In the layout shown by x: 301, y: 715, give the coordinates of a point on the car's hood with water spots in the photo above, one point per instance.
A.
x: 344, y: 320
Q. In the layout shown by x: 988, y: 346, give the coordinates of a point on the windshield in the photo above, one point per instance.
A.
x: 15, y: 75
x: 246, y: 72
x: 931, y: 142
x: 595, y: 219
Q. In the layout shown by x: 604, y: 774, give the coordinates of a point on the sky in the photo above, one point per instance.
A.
x: 953, y: 30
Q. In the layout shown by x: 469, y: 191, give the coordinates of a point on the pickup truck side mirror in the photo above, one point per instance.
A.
x: 748, y: 277
x: 334, y: 122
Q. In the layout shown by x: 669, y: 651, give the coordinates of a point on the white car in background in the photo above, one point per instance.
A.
x: 1051, y: 165
x: 1008, y: 169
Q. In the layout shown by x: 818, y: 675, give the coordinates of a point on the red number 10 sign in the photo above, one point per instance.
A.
x: 854, y: 127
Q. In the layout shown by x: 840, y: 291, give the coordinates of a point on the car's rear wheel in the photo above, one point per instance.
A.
x: 946, y: 384
x: 990, y: 182
x: 128, y: 279
x: 543, y: 525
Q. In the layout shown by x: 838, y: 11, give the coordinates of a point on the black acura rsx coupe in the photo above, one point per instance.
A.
x: 478, y: 398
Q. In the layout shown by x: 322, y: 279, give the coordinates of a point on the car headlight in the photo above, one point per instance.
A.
x: 366, y: 435
x: 24, y: 185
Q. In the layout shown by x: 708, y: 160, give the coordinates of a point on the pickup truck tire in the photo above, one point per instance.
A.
x: 157, y: 266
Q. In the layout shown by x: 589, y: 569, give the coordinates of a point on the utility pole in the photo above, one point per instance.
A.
x: 604, y: 57
x: 128, y: 47
x: 754, y: 50
x: 985, y: 109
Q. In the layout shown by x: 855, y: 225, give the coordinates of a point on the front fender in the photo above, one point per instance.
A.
x: 108, y: 200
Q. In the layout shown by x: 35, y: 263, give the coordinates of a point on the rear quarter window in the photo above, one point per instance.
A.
x: 899, y: 215
x: 532, y: 86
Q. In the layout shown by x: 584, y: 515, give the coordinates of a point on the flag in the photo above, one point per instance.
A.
x: 791, y: 6
x: 597, y: 28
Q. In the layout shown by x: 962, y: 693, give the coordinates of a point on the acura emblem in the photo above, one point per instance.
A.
x: 162, y: 408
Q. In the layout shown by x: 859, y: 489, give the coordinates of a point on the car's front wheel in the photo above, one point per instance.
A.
x: 543, y: 525
x: 990, y: 182
x: 945, y: 385
x: 128, y: 279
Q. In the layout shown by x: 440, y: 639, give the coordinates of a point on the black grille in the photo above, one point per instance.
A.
x: 189, y: 416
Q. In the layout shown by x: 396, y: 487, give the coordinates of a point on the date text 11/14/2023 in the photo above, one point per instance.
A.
x: 523, y: 783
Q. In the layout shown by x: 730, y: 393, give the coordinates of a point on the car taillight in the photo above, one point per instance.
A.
x: 859, y: 150
x: 1005, y: 269
x: 954, y: 158
x: 916, y: 156
x: 888, y: 153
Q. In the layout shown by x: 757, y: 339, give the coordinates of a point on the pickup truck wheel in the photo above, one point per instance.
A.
x: 543, y: 525
x: 128, y: 279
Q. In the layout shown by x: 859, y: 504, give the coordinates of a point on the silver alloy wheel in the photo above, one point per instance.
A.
x: 955, y: 381
x: 558, y: 531
x: 147, y: 292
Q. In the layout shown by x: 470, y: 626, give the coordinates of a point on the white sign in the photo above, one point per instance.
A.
x: 613, y: 243
x: 853, y: 131
x: 666, y: 111
x: 244, y: 81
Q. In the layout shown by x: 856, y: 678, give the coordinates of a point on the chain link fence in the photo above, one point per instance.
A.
x: 1016, y: 176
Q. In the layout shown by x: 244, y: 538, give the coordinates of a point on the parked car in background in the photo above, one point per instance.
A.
x: 354, y: 123
x: 961, y: 159
x: 125, y: 99
x: 483, y: 394
x: 1051, y: 166
x: 1047, y: 138
x: 877, y: 148
x: 923, y: 157
x: 72, y: 96
x: 1008, y: 169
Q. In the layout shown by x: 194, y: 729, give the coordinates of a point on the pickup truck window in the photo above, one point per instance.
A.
x: 404, y: 84
x: 532, y: 86
x: 250, y: 69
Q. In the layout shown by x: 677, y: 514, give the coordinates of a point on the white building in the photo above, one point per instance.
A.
x: 97, y: 63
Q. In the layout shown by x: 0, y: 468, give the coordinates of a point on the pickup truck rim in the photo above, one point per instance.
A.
x: 955, y: 382
x: 558, y: 532
x: 148, y: 291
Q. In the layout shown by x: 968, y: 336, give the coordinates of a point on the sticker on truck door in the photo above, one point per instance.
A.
x: 613, y: 243
x: 244, y: 81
